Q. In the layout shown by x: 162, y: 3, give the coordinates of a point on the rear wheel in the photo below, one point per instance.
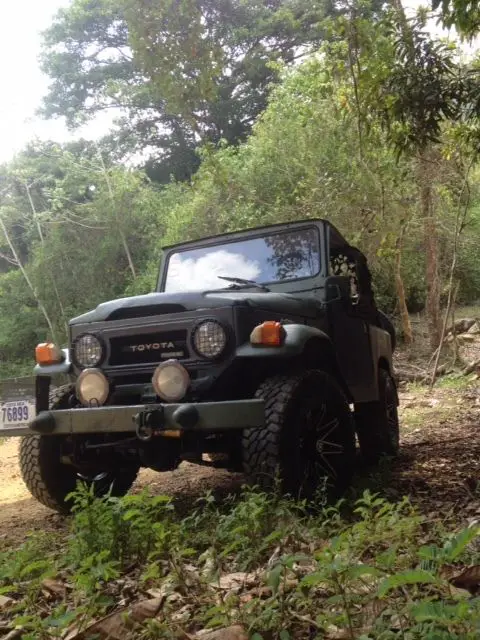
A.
x: 49, y: 480
x: 308, y: 440
x: 377, y: 423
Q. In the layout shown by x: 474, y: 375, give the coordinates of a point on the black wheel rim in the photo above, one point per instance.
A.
x: 321, y: 448
x: 101, y: 482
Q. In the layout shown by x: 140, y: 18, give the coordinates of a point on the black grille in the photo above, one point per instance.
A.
x: 147, y: 348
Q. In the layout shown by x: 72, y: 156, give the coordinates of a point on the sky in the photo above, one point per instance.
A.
x: 23, y: 85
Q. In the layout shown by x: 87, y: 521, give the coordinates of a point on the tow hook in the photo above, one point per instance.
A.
x: 147, y: 422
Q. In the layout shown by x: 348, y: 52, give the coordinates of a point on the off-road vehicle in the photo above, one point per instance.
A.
x: 261, y: 350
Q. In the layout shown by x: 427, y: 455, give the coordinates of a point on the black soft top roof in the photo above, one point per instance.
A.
x: 337, y: 241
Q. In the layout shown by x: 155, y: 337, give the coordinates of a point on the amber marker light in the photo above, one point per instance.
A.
x: 48, y: 353
x: 268, y: 334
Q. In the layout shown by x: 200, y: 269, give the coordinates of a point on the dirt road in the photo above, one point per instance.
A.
x: 439, y: 467
x: 20, y: 513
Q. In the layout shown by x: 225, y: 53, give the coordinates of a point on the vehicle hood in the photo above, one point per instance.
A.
x: 154, y: 304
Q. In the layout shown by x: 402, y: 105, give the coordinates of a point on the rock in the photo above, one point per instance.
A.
x: 466, y: 337
x: 463, y: 325
x: 471, y: 367
x: 474, y: 329
x: 237, y: 632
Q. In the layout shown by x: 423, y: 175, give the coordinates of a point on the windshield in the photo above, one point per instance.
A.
x: 276, y: 257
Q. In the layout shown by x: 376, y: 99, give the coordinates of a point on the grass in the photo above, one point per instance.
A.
x: 363, y: 569
x: 436, y: 405
x: 455, y: 382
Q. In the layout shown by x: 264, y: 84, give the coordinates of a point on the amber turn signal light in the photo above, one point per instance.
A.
x: 48, y: 353
x: 269, y: 333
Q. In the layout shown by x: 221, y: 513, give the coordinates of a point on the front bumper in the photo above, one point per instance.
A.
x: 149, y: 420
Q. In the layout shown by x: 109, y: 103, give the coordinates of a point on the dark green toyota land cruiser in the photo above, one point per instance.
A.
x: 261, y: 351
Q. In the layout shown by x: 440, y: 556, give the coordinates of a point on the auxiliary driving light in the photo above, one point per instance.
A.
x: 92, y: 387
x: 170, y: 381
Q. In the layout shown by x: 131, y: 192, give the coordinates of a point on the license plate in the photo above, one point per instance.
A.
x: 16, y: 414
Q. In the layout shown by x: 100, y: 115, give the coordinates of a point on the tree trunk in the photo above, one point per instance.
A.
x: 52, y: 274
x: 30, y: 285
x: 402, y: 303
x: 121, y: 233
x: 427, y: 211
x: 452, y: 291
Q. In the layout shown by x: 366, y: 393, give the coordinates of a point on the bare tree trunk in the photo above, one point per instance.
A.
x: 52, y: 275
x: 16, y: 257
x: 459, y: 225
x: 431, y: 249
x: 427, y: 211
x: 126, y: 248
x: 402, y: 303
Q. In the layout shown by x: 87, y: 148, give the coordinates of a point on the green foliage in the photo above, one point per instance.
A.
x: 423, y: 89
x: 177, y: 70
x: 365, y: 574
x: 128, y: 529
x: 464, y: 15
x: 80, y: 229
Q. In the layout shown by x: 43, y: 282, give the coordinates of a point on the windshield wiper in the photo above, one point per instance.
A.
x: 242, y: 282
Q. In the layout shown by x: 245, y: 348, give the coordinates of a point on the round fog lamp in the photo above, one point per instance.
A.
x: 170, y: 381
x: 92, y: 387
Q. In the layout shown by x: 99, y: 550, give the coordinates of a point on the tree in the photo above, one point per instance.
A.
x: 414, y: 85
x: 464, y: 15
x: 177, y: 72
x: 423, y: 91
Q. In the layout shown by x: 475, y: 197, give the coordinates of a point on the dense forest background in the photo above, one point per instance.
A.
x: 234, y: 113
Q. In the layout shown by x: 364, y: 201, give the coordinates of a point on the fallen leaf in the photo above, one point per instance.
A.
x: 117, y: 625
x: 235, y: 581
x: 54, y: 587
x: 14, y: 634
x: 183, y: 615
x: 5, y: 602
x: 371, y: 611
x: 468, y: 579
x: 333, y: 632
x: 236, y: 632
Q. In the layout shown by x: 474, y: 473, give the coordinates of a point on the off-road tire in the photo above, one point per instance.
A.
x: 377, y: 423
x: 50, y: 481
x: 278, y: 450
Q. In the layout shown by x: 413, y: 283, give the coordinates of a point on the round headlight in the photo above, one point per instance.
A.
x: 209, y: 339
x: 92, y: 387
x: 170, y: 381
x: 87, y: 350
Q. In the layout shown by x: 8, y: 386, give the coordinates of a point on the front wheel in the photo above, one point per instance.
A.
x: 49, y: 480
x: 308, y: 440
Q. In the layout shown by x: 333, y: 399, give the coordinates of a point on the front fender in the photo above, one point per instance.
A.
x: 64, y: 367
x: 297, y: 336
